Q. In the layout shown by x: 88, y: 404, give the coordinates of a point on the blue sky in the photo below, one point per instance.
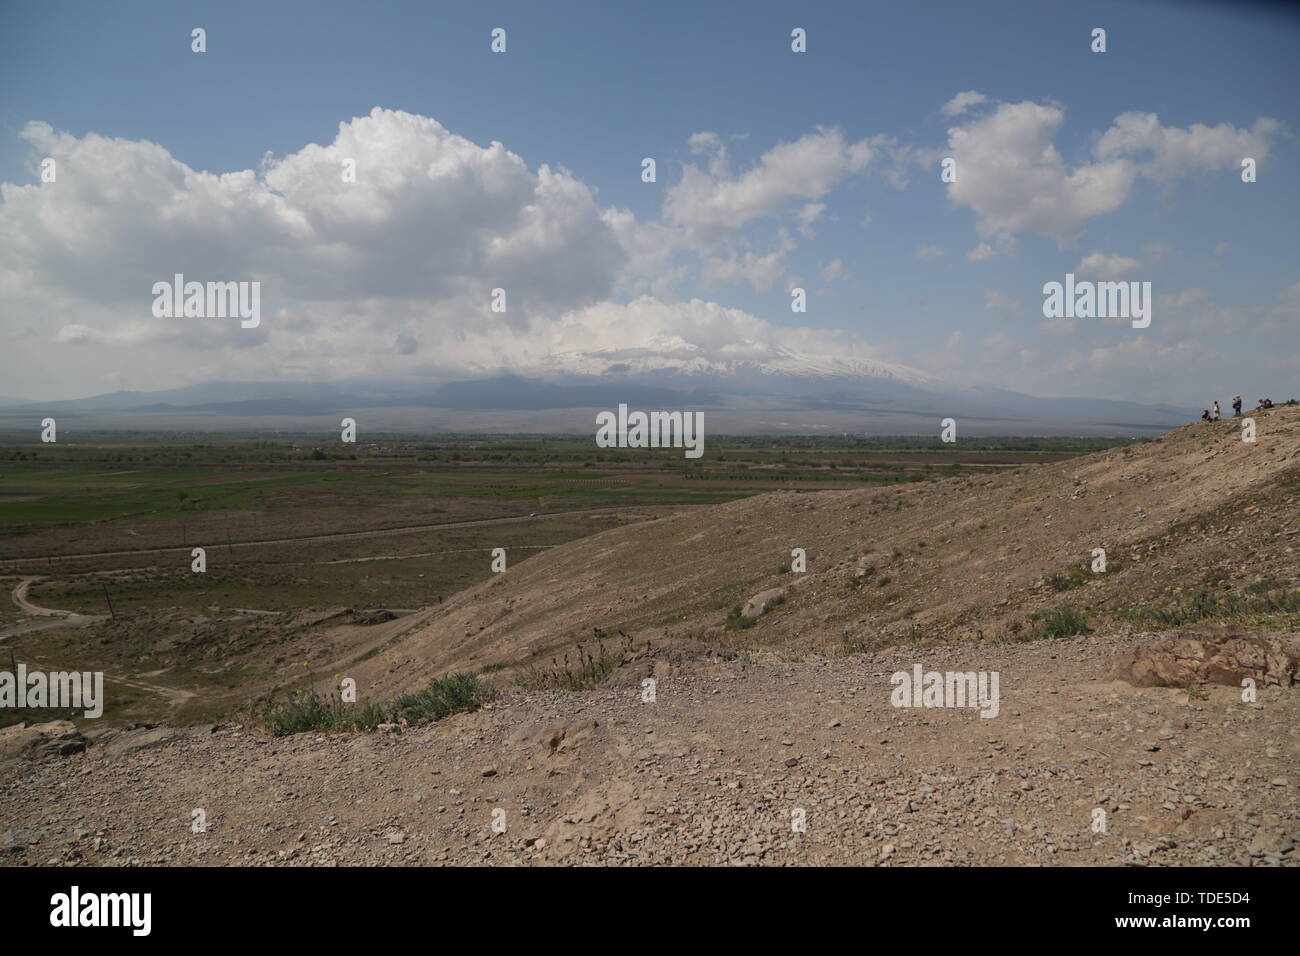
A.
x: 593, y: 87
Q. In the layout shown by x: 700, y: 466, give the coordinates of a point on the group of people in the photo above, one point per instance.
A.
x: 1236, y: 409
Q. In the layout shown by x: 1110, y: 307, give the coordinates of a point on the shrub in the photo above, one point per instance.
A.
x: 1064, y: 582
x: 736, y: 620
x: 307, y: 710
x: 850, y: 645
x: 1060, y: 621
x: 454, y: 694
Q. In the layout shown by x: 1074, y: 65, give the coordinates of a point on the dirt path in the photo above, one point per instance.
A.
x: 315, y: 538
x: 65, y: 618
x: 20, y: 598
x: 173, y: 695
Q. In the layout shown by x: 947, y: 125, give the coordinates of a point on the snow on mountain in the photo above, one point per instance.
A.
x: 744, y: 360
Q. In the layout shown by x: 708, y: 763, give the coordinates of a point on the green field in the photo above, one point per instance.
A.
x: 135, y: 478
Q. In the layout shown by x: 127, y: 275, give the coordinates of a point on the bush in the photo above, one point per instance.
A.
x: 454, y: 694
x: 1064, y: 582
x: 737, y: 621
x: 307, y: 710
x: 1060, y: 621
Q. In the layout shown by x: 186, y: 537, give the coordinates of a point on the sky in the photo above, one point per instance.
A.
x: 775, y: 170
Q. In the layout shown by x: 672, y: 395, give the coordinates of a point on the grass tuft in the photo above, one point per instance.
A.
x: 306, y: 710
x: 1060, y: 621
x: 586, y: 672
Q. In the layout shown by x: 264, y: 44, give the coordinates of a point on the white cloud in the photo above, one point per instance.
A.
x: 962, y: 102
x: 1171, y: 152
x: 388, y: 277
x: 1003, y: 246
x: 808, y: 215
x: 1100, y: 265
x: 431, y: 215
x: 759, y: 271
x: 691, y: 334
x: 1010, y: 174
x: 1062, y: 325
x: 413, y: 248
x: 1157, y: 251
x: 710, y: 205
x: 1004, y: 305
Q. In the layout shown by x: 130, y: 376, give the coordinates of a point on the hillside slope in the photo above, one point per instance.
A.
x: 965, y: 557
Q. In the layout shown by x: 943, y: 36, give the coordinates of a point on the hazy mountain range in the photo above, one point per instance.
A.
x: 781, y: 392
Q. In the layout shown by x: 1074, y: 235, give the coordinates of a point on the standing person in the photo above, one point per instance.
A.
x: 1236, y: 406
x: 1216, y: 409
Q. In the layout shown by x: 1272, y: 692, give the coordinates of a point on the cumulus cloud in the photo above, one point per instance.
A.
x: 1166, y: 153
x: 1062, y: 325
x: 712, y: 204
x: 432, y: 223
x: 430, y: 214
x: 388, y: 276
x: 1011, y: 175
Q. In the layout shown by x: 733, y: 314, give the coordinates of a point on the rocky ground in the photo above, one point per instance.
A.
x: 713, y: 771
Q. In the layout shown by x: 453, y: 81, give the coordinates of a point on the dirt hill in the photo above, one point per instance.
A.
x: 962, y: 558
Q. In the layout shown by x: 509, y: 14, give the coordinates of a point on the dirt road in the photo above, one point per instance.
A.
x: 316, y: 538
x: 173, y: 695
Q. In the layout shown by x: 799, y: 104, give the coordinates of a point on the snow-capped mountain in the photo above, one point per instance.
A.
x: 744, y: 360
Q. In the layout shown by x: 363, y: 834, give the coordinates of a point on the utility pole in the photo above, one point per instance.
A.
x: 109, y: 600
